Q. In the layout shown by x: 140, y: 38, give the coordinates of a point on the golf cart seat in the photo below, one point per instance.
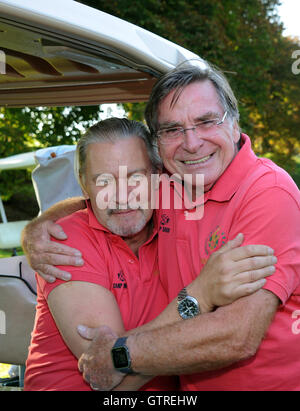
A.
x: 17, y: 312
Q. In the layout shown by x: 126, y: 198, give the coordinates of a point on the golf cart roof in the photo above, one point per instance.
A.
x: 18, y: 161
x: 61, y: 52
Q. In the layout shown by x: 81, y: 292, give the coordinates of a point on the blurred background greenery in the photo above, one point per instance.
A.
x: 4, y: 368
x: 243, y: 38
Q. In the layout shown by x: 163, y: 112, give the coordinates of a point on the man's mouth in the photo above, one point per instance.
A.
x: 123, y: 211
x: 199, y: 161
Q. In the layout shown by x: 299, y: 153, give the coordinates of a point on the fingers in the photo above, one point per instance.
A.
x: 96, y: 363
x: 46, y: 277
x: 255, y: 275
x: 39, y: 240
x: 236, y: 242
x: 251, y: 281
x: 249, y: 288
x: 251, y: 250
x: 86, y: 332
x: 52, y: 257
x: 45, y: 260
x: 50, y: 273
x: 52, y: 247
x: 44, y: 255
x: 56, y: 231
x: 239, y: 270
x: 45, y: 266
x: 244, y: 284
x: 97, y: 381
x: 256, y: 263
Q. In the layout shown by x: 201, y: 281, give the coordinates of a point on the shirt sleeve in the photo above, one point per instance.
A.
x: 77, y: 275
x: 272, y: 217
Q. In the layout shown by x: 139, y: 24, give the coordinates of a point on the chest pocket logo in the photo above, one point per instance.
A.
x: 164, y: 220
x: 121, y: 280
x: 215, y: 240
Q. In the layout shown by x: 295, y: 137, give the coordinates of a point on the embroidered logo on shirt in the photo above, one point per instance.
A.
x: 122, y: 280
x: 215, y: 240
x: 164, y: 220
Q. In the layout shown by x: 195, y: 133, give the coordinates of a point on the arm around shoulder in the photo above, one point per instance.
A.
x: 42, y: 253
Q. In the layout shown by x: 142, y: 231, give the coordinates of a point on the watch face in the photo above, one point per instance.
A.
x: 120, y: 358
x: 188, y: 307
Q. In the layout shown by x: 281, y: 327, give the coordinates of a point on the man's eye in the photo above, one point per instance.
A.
x: 137, y: 177
x: 103, y: 182
x: 172, y: 130
x: 206, y: 123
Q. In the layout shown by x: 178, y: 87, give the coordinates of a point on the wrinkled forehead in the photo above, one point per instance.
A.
x: 108, y: 157
x: 199, y: 97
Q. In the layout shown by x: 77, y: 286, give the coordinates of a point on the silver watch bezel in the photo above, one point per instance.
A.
x: 182, y: 303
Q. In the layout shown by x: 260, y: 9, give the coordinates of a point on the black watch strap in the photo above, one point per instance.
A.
x: 121, y: 357
x: 120, y: 342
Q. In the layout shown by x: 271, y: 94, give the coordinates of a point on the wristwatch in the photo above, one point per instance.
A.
x: 121, y: 357
x: 188, y: 307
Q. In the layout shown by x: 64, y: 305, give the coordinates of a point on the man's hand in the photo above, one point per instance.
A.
x: 43, y: 254
x: 96, y: 363
x: 232, y: 272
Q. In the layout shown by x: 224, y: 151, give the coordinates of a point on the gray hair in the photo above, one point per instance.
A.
x: 112, y: 130
x: 181, y: 77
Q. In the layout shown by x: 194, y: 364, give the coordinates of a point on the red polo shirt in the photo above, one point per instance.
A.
x: 109, y: 262
x: 260, y: 200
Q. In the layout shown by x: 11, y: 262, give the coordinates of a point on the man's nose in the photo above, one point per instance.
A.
x: 122, y: 193
x: 191, y: 141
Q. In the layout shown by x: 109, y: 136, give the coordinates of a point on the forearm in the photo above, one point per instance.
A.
x: 58, y: 210
x: 184, y: 347
x: 133, y: 382
x: 207, y: 342
x: 231, y: 273
x: 44, y: 255
x: 170, y: 314
x: 62, y: 209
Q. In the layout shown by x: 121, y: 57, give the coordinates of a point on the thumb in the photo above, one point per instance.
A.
x: 56, y: 231
x: 86, y: 332
x: 230, y: 245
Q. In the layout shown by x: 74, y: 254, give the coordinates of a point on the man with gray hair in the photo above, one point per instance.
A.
x: 119, y: 284
x: 111, y: 238
x: 192, y: 115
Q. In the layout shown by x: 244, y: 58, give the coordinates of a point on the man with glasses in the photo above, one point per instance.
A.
x: 193, y: 114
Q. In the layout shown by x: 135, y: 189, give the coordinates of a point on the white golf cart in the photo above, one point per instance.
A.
x: 62, y: 53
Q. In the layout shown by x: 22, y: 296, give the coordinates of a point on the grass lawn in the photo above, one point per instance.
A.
x: 8, y: 253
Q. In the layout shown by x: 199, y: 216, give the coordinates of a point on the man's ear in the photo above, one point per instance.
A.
x: 84, y: 192
x: 85, y: 195
x: 158, y: 148
x: 236, y: 132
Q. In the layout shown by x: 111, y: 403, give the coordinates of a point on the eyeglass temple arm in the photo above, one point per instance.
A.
x: 223, y: 119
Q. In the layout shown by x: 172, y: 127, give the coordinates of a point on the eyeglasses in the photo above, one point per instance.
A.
x: 203, y: 128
